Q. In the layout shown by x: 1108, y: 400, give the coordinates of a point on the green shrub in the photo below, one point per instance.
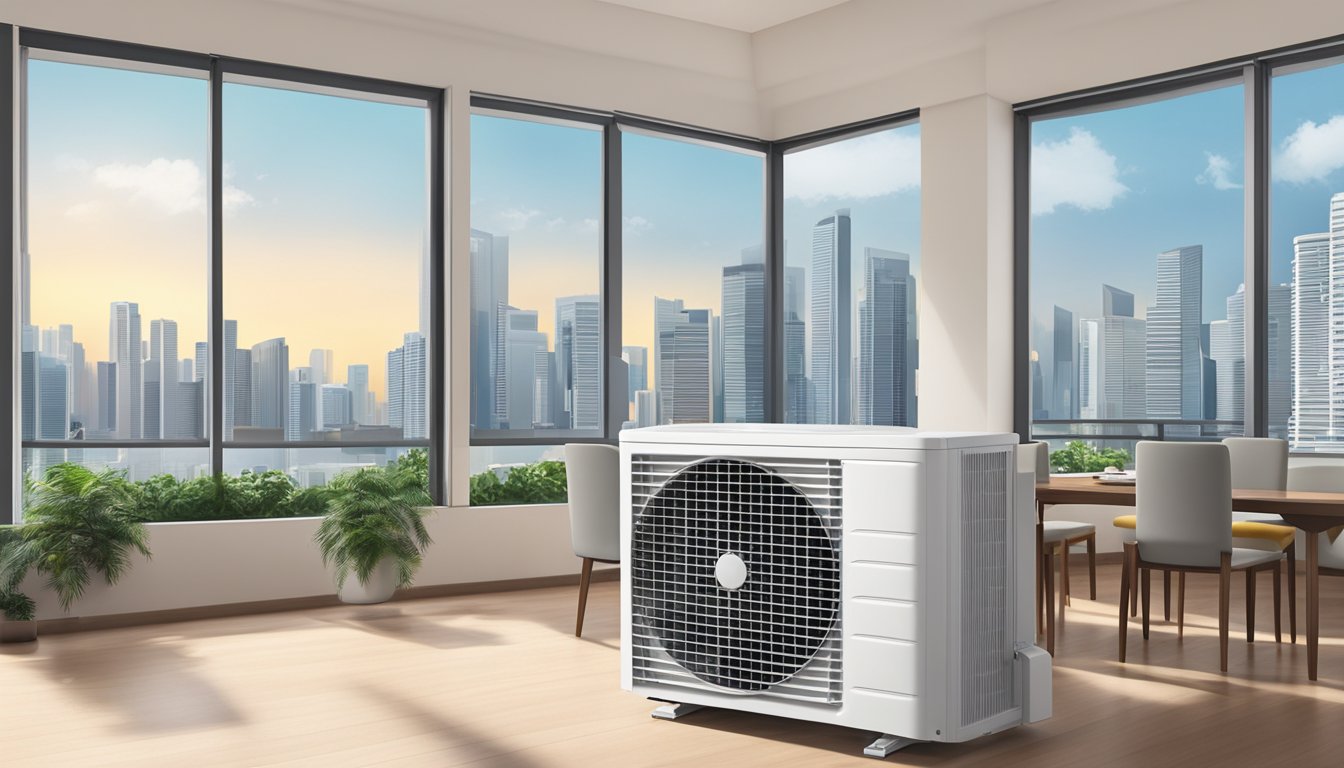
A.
x: 541, y: 483
x: 1078, y: 456
x: 374, y: 515
x: 16, y: 606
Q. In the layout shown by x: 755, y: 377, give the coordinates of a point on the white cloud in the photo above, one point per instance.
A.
x: 589, y: 225
x: 1217, y: 173
x: 84, y: 210
x: 1077, y: 171
x: 172, y: 186
x: 636, y: 225
x: 870, y: 166
x: 1312, y: 152
x: 518, y: 218
x: 555, y: 223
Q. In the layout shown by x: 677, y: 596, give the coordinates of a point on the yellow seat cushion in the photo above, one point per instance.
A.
x: 1281, y: 535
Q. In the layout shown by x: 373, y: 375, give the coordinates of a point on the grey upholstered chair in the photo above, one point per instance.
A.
x: 1184, y: 495
x: 594, y: 476
x: 1323, y: 479
x: 1057, y: 537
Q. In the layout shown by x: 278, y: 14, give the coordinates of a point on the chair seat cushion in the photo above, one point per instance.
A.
x: 1061, y: 530
x: 1126, y: 521
x: 1246, y: 558
x: 1280, y: 535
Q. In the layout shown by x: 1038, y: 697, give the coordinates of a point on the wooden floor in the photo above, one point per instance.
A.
x: 499, y: 680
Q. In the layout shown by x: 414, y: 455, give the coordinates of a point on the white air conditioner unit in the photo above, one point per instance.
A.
x: 878, y: 578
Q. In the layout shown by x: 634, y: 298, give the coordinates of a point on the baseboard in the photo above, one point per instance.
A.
x: 196, y: 613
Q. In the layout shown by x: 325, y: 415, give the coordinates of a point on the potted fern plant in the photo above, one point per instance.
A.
x: 374, y: 532
x: 76, y: 523
x: 17, y: 614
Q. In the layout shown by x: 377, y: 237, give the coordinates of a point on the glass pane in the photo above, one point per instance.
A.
x: 115, y: 289
x: 536, y: 261
x: 1306, y: 358
x: 851, y: 331
x: 693, y: 271
x: 146, y: 473
x: 518, y: 474
x: 1137, y: 299
x: 326, y: 289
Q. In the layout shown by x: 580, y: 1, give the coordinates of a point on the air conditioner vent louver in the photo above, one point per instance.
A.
x: 776, y: 633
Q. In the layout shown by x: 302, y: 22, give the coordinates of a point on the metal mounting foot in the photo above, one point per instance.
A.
x: 673, y: 710
x: 886, y: 744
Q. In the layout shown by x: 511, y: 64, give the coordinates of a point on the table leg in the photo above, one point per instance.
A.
x: 1313, y: 601
x: 1040, y: 553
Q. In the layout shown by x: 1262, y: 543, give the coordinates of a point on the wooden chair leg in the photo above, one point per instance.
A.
x: 1145, y: 588
x: 1224, y: 598
x: 1126, y: 570
x: 1092, y: 566
x: 1064, y: 577
x: 1048, y: 570
x: 1166, y: 595
x: 1180, y: 604
x: 1250, y: 605
x: 1278, y: 603
x: 1134, y: 579
x: 584, y: 579
x: 1291, y: 551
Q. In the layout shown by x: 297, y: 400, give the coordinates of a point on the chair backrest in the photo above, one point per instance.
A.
x: 1322, y: 478
x: 1034, y: 457
x: 1184, y: 502
x: 1258, y: 463
x: 593, y: 472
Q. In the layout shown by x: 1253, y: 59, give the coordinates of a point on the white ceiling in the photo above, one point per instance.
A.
x: 741, y: 15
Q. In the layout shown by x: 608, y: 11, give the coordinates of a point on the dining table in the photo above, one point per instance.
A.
x: 1309, y: 511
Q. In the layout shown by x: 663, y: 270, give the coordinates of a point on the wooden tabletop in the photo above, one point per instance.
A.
x: 1305, y: 509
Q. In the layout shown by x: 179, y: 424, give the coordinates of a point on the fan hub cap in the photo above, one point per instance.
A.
x: 730, y: 571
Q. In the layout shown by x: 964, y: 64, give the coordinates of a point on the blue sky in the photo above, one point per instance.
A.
x: 1111, y: 189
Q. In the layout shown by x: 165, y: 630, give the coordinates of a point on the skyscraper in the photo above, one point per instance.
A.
x: 1112, y: 360
x: 124, y: 346
x: 28, y: 382
x: 1227, y: 347
x: 237, y: 382
x: 523, y: 342
x: 1310, y: 425
x: 1174, y: 361
x: 1063, y: 403
x: 107, y: 397
x: 337, y: 406
x: 682, y: 366
x: 489, y: 291
x: 637, y: 365
x: 301, y: 414
x: 1280, y: 348
x: 744, y: 343
x: 407, y: 403
x: 716, y: 368
x: 270, y: 384
x: 1115, y: 302
x: 832, y: 358
x: 53, y: 403
x: 578, y: 361
x: 888, y: 346
x: 796, y: 396
x: 161, y: 411
x: 357, y: 380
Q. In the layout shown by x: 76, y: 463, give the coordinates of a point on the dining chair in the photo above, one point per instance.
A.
x: 592, y: 471
x: 1057, y: 538
x: 1185, y: 494
x: 1323, y: 479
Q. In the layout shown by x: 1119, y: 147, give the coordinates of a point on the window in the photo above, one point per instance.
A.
x: 318, y: 234
x: 1306, y: 246
x: 1138, y: 311
x: 693, y: 325
x: 114, y: 268
x: 851, y: 260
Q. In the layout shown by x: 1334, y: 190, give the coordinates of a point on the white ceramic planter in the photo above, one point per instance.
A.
x: 382, y: 583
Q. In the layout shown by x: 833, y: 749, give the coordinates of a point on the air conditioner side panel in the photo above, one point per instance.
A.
x: 884, y: 587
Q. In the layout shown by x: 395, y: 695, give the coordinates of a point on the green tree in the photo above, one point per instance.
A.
x: 1078, y: 456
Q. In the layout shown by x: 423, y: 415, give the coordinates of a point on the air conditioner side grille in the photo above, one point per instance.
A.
x: 986, y: 653
x: 777, y: 634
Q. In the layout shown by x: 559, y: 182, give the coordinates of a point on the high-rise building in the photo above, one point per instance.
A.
x: 1112, y: 360
x: 337, y: 406
x: 323, y: 363
x: 1064, y: 381
x: 682, y: 366
x: 1115, y: 302
x: 407, y: 400
x: 162, y: 413
x: 107, y: 398
x: 1311, y: 422
x: 242, y: 390
x: 53, y: 399
x: 301, y: 414
x: 357, y: 380
x: 637, y: 367
x: 524, y: 348
x: 832, y: 358
x: 646, y: 408
x: 489, y: 292
x: 29, y: 352
x: 1175, y: 385
x: 716, y: 368
x: 744, y: 343
x: 578, y: 361
x: 1227, y: 348
x: 270, y: 384
x: 888, y: 345
x: 1280, y: 349
x: 126, y: 350
x: 796, y: 397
